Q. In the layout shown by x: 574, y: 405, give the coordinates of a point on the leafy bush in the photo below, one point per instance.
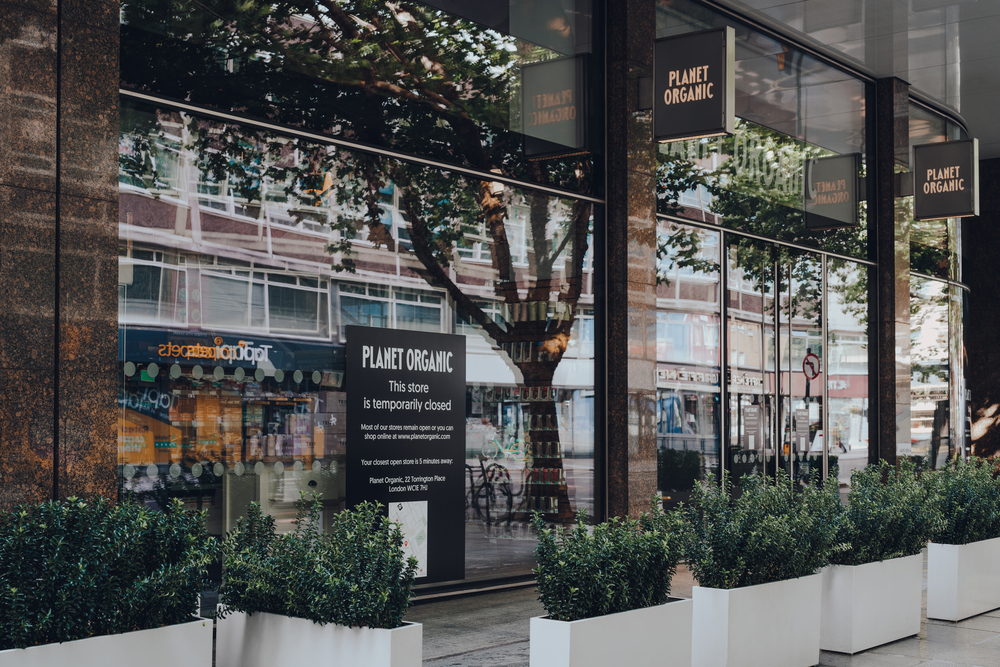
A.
x: 616, y: 566
x: 75, y: 569
x: 354, y: 575
x: 769, y: 532
x: 891, y: 512
x: 970, y: 501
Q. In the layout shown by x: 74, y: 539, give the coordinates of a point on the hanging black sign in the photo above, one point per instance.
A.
x: 553, y: 113
x: 946, y: 180
x: 406, y: 439
x: 694, y: 88
x: 831, y: 191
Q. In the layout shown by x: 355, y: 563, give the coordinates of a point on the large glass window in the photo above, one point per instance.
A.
x: 234, y: 384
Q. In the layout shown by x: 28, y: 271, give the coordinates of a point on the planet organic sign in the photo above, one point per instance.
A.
x: 694, y: 85
x: 946, y: 180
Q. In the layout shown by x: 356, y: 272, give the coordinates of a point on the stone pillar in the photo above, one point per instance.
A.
x: 58, y: 249
x: 631, y: 261
x: 981, y: 237
x: 891, y: 324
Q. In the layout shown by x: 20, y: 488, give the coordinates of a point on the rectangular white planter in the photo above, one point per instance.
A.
x: 659, y: 635
x: 188, y: 643
x: 772, y: 625
x: 962, y: 579
x: 872, y: 604
x: 266, y: 640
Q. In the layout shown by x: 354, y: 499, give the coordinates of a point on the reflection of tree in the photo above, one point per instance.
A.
x: 753, y: 179
x: 383, y: 74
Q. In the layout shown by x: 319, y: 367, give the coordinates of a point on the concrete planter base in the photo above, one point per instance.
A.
x: 872, y: 604
x: 189, y: 643
x: 266, y: 640
x: 659, y: 635
x: 774, y: 624
x: 963, y: 580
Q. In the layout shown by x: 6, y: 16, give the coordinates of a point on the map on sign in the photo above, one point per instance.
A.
x: 412, y: 519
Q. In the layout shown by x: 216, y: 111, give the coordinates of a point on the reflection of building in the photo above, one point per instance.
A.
x: 233, y: 333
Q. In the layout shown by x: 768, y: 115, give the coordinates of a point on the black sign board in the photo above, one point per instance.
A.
x: 801, y: 431
x: 831, y: 191
x: 553, y: 110
x: 946, y: 180
x: 752, y: 433
x: 406, y: 439
x: 694, y: 85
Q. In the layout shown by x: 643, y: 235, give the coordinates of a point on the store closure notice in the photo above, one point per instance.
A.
x: 406, y: 439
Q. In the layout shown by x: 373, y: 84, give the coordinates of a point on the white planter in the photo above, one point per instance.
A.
x: 659, y: 635
x: 266, y: 640
x: 190, y: 643
x: 962, y: 579
x: 872, y: 604
x: 774, y: 624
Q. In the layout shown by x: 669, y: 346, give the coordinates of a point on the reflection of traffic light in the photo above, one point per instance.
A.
x: 317, y: 185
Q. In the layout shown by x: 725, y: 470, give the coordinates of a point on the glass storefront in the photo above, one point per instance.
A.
x: 298, y: 197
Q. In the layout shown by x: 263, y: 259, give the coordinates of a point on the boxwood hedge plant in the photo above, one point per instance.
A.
x: 969, y: 493
x: 771, y: 531
x: 616, y: 566
x: 76, y: 569
x: 891, y: 512
x: 354, y: 575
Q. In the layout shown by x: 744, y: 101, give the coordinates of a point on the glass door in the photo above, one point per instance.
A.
x: 774, y: 360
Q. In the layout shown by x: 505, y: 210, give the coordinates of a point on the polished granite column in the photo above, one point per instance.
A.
x: 58, y: 248
x: 631, y: 261
x: 980, y: 240
x: 891, y: 326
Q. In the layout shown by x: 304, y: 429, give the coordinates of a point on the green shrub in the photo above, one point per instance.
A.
x: 970, y: 501
x: 354, y: 575
x: 616, y: 566
x: 769, y: 532
x: 75, y: 569
x: 891, y: 512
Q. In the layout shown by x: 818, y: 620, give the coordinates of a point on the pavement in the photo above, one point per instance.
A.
x: 492, y: 629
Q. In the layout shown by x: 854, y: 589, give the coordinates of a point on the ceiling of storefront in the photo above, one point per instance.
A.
x: 948, y: 50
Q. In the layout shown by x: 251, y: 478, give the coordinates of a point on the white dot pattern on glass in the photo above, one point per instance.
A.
x: 219, y: 372
x: 297, y: 466
x: 240, y: 374
x: 218, y: 469
x: 317, y: 466
x: 128, y: 472
x: 129, y: 369
x: 239, y: 468
x: 196, y: 470
x: 175, y: 371
x: 297, y: 376
x: 259, y: 374
x: 175, y: 470
x: 152, y: 370
x: 279, y: 375
x: 152, y: 471
x: 317, y: 377
x: 279, y: 468
x: 197, y: 372
x: 258, y: 468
